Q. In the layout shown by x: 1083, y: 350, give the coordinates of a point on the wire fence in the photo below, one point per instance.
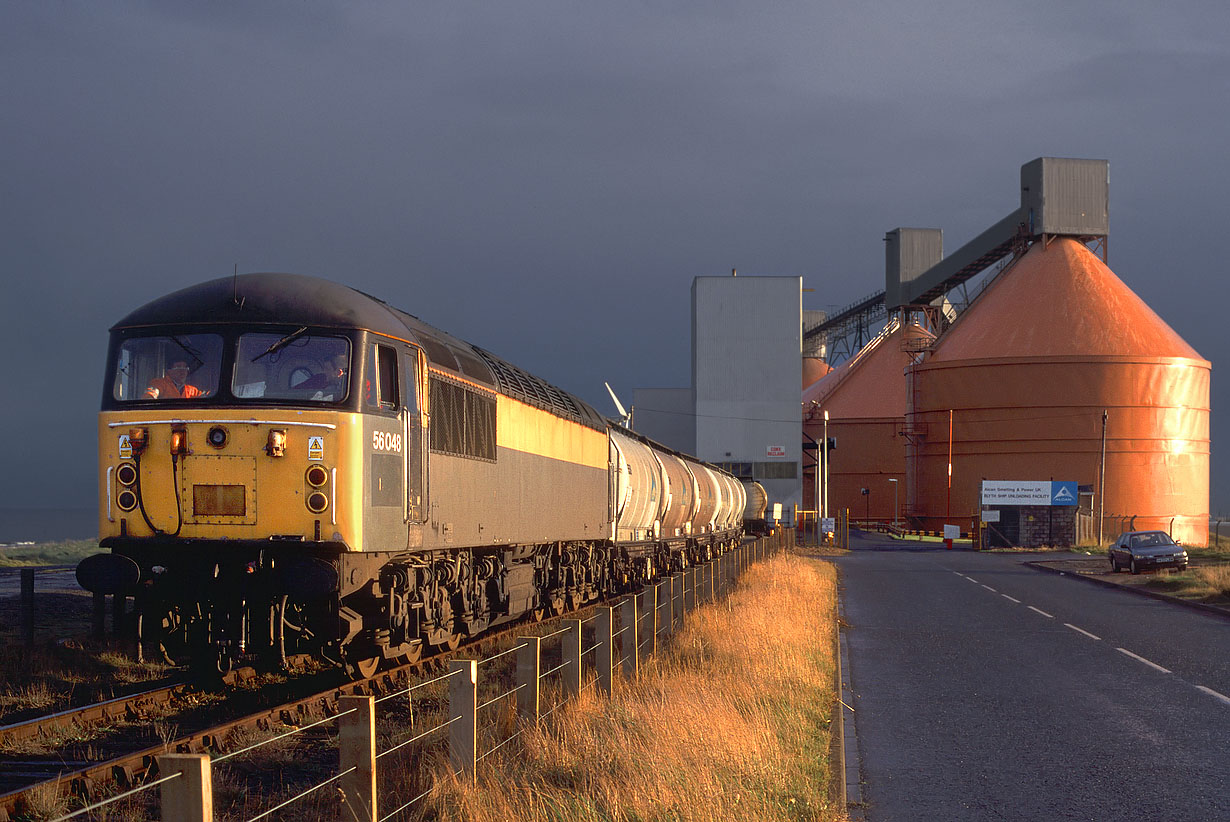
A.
x: 185, y: 778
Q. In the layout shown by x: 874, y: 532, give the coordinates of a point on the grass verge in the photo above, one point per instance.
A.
x: 730, y: 722
x: 68, y: 552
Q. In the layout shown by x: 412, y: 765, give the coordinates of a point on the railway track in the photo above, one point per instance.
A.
x: 91, y: 780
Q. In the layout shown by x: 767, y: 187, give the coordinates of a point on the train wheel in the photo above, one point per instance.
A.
x: 413, y: 655
x: 362, y: 668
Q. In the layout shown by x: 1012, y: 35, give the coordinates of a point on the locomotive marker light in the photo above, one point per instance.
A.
x: 276, y: 446
x: 138, y: 438
x: 179, y: 442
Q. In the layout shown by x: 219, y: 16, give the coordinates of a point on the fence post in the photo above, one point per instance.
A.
x: 119, y: 607
x: 661, y: 598
x: 27, y: 606
x: 649, y: 612
x: 630, y: 644
x: 689, y: 589
x: 100, y: 617
x: 191, y: 797
x: 463, y: 714
x: 710, y: 594
x: 356, y: 744
x: 677, y: 583
x: 572, y: 658
x: 529, y: 671
x: 605, y: 640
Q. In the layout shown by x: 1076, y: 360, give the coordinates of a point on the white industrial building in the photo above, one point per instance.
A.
x: 742, y: 410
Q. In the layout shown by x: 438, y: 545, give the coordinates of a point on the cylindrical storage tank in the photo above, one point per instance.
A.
x: 681, y: 496
x: 1025, y: 375
x: 706, y: 497
x: 757, y: 501
x: 638, y: 489
x: 866, y: 400
x: 730, y: 511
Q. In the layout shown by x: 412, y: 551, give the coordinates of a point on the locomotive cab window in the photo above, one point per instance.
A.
x: 381, y: 387
x: 169, y: 368
x: 293, y: 366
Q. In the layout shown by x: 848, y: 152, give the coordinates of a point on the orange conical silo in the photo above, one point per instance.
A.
x: 866, y: 400
x: 1026, y: 374
x: 814, y: 368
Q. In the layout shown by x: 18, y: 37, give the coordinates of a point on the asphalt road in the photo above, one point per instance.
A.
x: 986, y: 690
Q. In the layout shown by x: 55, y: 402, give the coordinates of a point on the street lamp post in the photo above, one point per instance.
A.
x: 893, y: 480
x: 825, y: 510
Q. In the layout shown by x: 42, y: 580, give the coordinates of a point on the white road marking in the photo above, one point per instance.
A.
x: 989, y: 588
x: 971, y: 579
x: 1214, y: 694
x: 1142, y: 659
x: 1081, y: 631
x: 1013, y: 599
x: 1039, y: 610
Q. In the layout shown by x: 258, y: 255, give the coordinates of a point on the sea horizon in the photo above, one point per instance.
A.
x: 47, y: 524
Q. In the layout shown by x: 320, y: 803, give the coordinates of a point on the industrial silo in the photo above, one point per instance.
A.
x: 1016, y: 390
x: 866, y: 400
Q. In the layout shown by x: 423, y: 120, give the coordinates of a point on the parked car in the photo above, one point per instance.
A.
x: 1141, y: 550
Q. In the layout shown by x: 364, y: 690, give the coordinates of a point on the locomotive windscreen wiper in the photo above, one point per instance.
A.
x: 282, y: 343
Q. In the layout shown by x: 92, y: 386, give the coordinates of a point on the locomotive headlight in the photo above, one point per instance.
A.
x: 179, y: 441
x: 216, y: 436
x: 276, y: 446
x: 126, y: 500
x: 317, y: 502
x: 126, y: 474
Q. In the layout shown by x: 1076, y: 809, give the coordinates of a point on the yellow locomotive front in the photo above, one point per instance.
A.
x: 231, y: 475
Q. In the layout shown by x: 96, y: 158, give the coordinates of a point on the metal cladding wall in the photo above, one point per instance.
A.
x: 746, y: 349
x: 1027, y: 372
x: 866, y: 401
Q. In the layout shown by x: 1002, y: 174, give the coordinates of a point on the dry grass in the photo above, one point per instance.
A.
x: 1203, y: 583
x: 731, y: 723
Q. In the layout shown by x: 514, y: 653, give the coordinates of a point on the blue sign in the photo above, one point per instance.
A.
x: 1063, y: 493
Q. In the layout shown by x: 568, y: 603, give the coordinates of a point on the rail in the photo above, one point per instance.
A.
x: 592, y: 651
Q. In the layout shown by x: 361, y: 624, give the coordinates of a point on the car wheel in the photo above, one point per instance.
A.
x: 1132, y: 566
x: 1114, y: 566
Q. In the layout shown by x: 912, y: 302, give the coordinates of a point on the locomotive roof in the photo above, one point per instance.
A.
x: 296, y: 299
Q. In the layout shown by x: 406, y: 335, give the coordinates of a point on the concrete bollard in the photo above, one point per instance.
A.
x: 356, y: 746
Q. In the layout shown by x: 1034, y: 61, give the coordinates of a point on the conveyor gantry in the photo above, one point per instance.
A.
x: 1059, y: 197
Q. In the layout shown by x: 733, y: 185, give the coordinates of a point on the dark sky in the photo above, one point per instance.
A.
x: 545, y: 179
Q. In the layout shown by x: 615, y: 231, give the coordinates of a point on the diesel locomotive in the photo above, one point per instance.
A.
x: 290, y: 466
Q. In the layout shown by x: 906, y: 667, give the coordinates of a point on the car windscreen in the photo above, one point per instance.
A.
x: 170, y: 368
x: 294, y: 366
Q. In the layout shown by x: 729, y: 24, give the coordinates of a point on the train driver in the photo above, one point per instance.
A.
x: 174, y: 385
